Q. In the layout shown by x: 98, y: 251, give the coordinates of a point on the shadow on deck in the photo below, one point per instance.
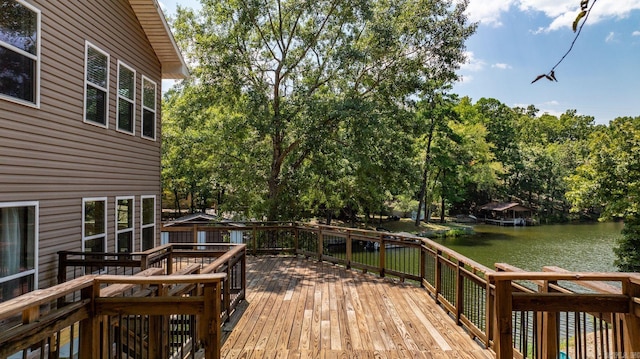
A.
x: 299, y: 308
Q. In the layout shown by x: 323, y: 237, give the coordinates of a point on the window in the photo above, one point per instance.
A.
x: 148, y: 109
x: 96, y: 96
x: 148, y: 222
x: 18, y: 249
x: 124, y: 224
x: 94, y: 224
x: 126, y: 98
x: 19, y: 52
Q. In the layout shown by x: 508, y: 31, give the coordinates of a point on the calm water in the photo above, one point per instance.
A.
x: 576, y: 247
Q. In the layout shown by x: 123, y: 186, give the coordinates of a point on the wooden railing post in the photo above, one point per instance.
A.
x: 89, y: 345
x: 423, y: 266
x: 254, y: 239
x: 209, y: 327
x: 631, y: 320
x: 296, y: 241
x: 489, y: 313
x: 438, y: 276
x: 243, y: 275
x: 170, y: 261
x: 320, y: 244
x: 226, y: 287
x: 503, y: 327
x: 158, y: 341
x: 549, y: 345
x: 62, y: 267
x: 349, y: 247
x: 459, y: 291
x: 383, y: 259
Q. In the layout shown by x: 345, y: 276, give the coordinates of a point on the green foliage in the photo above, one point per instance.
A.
x: 320, y: 93
x: 610, y: 180
x: 610, y: 177
x: 628, y: 250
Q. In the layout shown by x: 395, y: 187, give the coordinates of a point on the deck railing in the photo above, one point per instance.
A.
x: 467, y: 290
x: 167, y: 302
x: 181, y: 258
x: 97, y: 319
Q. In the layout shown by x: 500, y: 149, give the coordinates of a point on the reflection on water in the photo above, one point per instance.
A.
x: 576, y: 247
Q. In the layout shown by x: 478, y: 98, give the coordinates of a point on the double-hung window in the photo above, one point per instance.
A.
x: 126, y: 98
x: 19, y: 52
x: 124, y: 224
x: 148, y: 109
x: 148, y: 211
x: 94, y: 224
x: 96, y: 79
x: 18, y: 249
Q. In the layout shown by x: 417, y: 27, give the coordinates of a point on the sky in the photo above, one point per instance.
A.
x: 517, y: 40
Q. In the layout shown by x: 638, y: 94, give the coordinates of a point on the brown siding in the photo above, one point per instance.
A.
x: 50, y: 155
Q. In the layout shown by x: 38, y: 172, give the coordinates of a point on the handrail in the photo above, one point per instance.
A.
x: 90, y: 312
x: 42, y: 296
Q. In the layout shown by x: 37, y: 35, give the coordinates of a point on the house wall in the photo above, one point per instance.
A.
x: 50, y: 155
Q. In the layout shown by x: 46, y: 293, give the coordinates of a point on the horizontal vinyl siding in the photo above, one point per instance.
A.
x: 51, y: 156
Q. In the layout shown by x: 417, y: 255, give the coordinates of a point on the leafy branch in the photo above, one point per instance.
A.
x: 585, y: 10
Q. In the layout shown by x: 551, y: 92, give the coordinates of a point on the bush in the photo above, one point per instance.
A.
x: 628, y: 249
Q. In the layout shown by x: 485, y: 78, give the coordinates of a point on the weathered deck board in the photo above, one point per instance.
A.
x: 300, y: 308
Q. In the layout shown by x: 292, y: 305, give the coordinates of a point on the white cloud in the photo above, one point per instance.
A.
x: 501, y: 66
x: 611, y: 37
x: 635, y: 33
x: 562, y: 13
x: 472, y: 64
x: 488, y: 12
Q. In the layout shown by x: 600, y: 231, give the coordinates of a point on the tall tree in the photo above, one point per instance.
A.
x: 300, y: 71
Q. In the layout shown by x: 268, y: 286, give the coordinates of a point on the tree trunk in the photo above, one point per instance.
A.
x: 442, y: 210
x: 423, y: 190
x: 177, y: 201
x: 425, y: 174
x: 442, y: 198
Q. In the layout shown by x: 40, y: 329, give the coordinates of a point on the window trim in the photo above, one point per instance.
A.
x: 38, y: 58
x: 88, y: 44
x: 132, y: 101
x: 36, y: 239
x: 154, y: 110
x: 85, y: 238
x: 133, y: 224
x: 145, y: 226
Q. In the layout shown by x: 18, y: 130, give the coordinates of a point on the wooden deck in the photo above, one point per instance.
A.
x: 302, y: 308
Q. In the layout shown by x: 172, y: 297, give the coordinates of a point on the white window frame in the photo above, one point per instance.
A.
x: 133, y: 224
x: 87, y: 45
x: 36, y: 254
x: 144, y: 226
x: 154, y: 110
x: 35, y: 104
x: 131, y: 101
x: 87, y: 238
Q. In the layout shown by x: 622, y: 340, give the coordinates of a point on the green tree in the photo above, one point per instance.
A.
x: 300, y: 73
x: 432, y: 116
x: 610, y: 180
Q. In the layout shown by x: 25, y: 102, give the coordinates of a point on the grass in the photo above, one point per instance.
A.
x: 427, y: 229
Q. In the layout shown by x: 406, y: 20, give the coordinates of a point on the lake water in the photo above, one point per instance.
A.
x: 575, y: 247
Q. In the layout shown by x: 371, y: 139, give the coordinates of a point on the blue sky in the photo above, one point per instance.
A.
x: 517, y: 40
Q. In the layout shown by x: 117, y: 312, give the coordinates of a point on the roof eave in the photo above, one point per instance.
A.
x: 158, y: 32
